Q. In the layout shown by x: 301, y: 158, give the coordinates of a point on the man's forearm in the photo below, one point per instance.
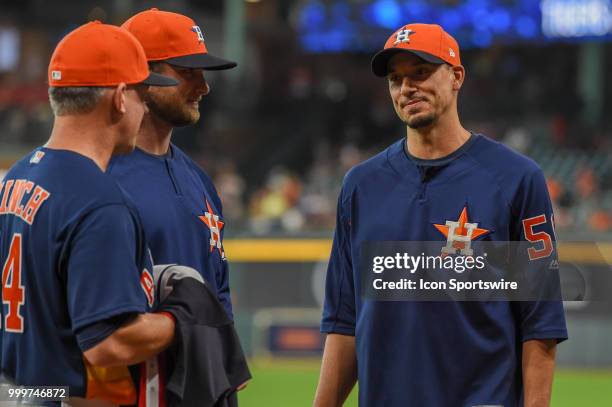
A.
x: 136, y: 341
x: 338, y: 371
x: 538, y: 371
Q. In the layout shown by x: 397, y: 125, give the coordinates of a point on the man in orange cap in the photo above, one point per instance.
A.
x: 76, y: 271
x: 438, y: 183
x: 179, y: 205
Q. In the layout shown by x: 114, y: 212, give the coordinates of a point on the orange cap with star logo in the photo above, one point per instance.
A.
x: 173, y: 38
x: 428, y: 41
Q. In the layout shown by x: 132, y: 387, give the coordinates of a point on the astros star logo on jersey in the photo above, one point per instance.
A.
x: 211, y: 220
x: 459, y: 234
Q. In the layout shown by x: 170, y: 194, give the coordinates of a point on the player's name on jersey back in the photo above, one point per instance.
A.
x: 22, y: 198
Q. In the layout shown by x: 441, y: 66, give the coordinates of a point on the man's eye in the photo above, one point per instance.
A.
x: 186, y: 72
x: 422, y: 71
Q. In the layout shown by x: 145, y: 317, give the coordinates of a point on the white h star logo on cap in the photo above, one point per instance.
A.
x: 403, y: 36
x: 197, y: 30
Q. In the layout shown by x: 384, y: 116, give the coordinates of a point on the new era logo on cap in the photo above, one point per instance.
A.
x: 56, y: 75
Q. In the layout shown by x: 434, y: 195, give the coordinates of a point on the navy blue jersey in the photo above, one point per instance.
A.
x: 73, y: 255
x: 181, y: 213
x: 439, y: 354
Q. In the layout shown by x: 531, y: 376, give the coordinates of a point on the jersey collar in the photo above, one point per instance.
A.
x: 408, y: 168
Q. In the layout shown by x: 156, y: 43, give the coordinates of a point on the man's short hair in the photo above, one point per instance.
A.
x: 74, y: 100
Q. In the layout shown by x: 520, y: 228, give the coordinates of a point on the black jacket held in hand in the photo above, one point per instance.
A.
x: 205, y: 362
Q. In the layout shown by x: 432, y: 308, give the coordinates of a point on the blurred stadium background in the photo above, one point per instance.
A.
x: 278, y: 134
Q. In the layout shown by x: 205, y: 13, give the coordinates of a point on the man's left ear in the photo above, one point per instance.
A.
x: 119, y: 98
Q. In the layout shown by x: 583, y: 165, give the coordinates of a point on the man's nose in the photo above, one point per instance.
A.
x: 202, y: 84
x: 407, y: 87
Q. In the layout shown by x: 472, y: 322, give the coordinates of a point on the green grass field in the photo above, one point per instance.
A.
x: 291, y: 383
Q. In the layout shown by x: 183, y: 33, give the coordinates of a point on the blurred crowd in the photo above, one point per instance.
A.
x: 325, y: 113
x: 279, y: 140
x: 296, y: 203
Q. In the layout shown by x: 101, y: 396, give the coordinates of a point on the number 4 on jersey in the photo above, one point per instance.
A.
x: 13, y: 293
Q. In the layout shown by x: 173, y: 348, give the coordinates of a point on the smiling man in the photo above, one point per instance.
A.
x: 177, y: 200
x: 443, y: 183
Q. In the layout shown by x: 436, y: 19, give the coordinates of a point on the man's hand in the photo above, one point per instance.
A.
x: 338, y: 371
x: 243, y: 385
x: 538, y: 371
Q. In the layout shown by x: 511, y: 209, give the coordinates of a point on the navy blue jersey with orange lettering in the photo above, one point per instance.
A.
x: 181, y: 213
x: 440, y: 354
x: 73, y: 257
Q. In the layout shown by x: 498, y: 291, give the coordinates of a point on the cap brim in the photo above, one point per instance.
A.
x: 201, y: 61
x: 380, y: 61
x: 155, y: 79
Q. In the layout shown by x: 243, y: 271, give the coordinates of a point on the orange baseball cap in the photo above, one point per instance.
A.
x: 428, y: 41
x: 173, y: 38
x: 97, y: 54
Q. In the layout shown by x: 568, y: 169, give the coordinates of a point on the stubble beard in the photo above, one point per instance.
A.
x: 176, y: 113
x: 421, y: 120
